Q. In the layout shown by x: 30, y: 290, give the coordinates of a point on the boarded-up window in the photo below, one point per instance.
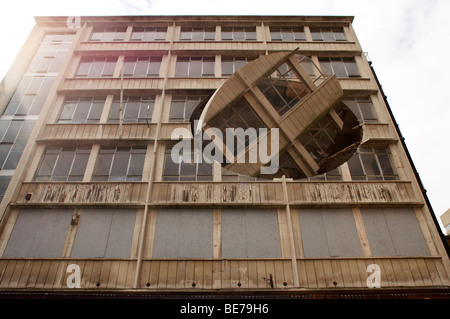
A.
x: 39, y: 233
x: 183, y: 233
x: 250, y: 233
x: 394, y: 232
x: 104, y: 233
x: 329, y: 233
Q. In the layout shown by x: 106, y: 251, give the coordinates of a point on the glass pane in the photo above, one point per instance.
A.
x: 385, y: 164
x: 141, y: 67
x: 109, y: 67
x: 275, y: 35
x: 370, y: 164
x: 208, y: 67
x: 170, y: 168
x: 132, y: 110
x: 81, y: 111
x: 195, y: 67
x: 367, y: 111
x: 188, y: 169
x: 136, y: 164
x: 96, y: 111
x: 352, y: 70
x: 339, y: 68
x: 103, y: 164
x: 83, y: 69
x: 114, y: 112
x: 182, y: 67
x: 120, y: 164
x: 354, y: 165
x: 64, y: 164
x: 128, y: 66
x: 154, y: 67
x: 177, y: 110
x: 4, y: 151
x: 48, y: 162
x: 79, y: 164
x: 227, y: 66
x: 12, y: 132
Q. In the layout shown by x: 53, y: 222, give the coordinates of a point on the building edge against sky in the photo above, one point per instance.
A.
x: 90, y: 190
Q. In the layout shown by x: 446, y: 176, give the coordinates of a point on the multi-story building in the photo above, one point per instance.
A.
x: 92, y: 201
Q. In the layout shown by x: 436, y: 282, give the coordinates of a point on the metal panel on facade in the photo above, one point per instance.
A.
x: 329, y: 233
x: 183, y: 233
x: 104, y: 233
x: 394, y: 232
x: 39, y: 233
x: 250, y: 233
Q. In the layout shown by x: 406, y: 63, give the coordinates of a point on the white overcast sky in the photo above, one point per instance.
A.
x: 407, y: 41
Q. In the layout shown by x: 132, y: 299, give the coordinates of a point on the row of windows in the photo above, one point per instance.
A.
x: 288, y: 34
x: 126, y: 164
x: 139, y: 109
x: 142, y: 67
x: 188, y: 233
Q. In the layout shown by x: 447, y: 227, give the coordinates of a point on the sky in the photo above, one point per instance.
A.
x: 406, y: 41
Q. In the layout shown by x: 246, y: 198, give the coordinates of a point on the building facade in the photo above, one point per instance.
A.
x: 92, y: 201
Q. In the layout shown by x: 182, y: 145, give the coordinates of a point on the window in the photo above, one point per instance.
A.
x: 342, y: 67
x: 182, y: 107
x: 30, y: 96
x: 108, y: 34
x: 371, y: 163
x: 141, y: 67
x: 287, y: 34
x: 238, y: 33
x: 195, y: 67
x: 14, y: 136
x: 4, y: 182
x: 232, y: 64
x: 320, y: 138
x: 328, y: 34
x: 63, y: 164
x: 51, y: 53
x: 135, y: 110
x: 362, y: 107
x: 82, y: 110
x: 185, y: 171
x: 39, y: 233
x: 334, y: 175
x: 94, y: 67
x: 198, y: 34
x: 183, y: 233
x: 119, y: 164
x: 282, y: 93
x: 148, y: 34
x: 104, y: 233
x: 329, y: 233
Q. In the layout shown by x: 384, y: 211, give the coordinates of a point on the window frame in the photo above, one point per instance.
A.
x: 195, y: 67
x: 57, y: 153
x: 115, y: 152
x: 152, y: 63
x: 340, y: 66
x: 331, y: 34
x: 88, y: 63
x: 198, y: 34
x: 142, y: 109
x: 179, y: 176
x: 285, y: 32
x: 375, y: 152
x: 118, y: 36
x: 94, y: 102
x: 249, y: 33
x: 155, y: 31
